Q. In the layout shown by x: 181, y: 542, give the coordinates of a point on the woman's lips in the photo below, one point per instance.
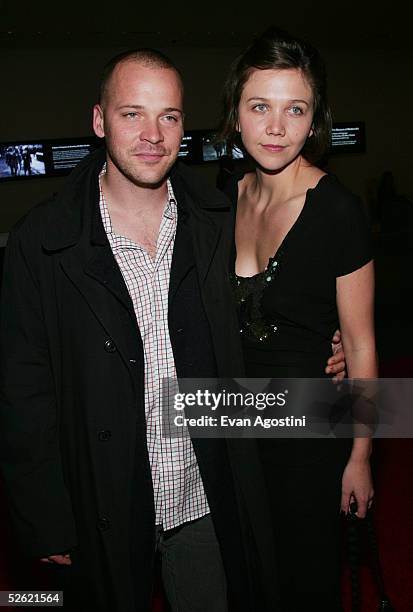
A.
x: 273, y: 148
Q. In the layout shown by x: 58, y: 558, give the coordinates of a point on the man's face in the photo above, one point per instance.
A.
x: 141, y: 118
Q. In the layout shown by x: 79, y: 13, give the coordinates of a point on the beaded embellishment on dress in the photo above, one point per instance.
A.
x: 248, y: 293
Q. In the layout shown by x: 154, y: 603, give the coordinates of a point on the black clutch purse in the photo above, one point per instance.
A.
x: 359, y: 532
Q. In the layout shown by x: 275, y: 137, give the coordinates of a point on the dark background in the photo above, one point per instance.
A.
x: 52, y: 55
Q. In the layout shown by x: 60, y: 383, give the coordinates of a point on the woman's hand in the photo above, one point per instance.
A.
x: 357, y: 485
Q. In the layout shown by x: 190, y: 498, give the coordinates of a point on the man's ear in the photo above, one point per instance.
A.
x: 98, y: 121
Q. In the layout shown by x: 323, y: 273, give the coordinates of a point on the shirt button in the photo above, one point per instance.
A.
x: 103, y: 524
x: 110, y: 346
x: 104, y: 435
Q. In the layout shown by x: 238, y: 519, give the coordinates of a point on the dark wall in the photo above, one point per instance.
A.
x: 49, y: 93
x: 1, y: 262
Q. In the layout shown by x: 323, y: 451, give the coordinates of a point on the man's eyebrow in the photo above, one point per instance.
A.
x: 169, y: 109
x: 172, y: 109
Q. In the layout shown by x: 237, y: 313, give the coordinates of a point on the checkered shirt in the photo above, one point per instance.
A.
x: 178, y: 490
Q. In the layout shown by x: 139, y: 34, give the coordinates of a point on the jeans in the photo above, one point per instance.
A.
x: 192, y: 570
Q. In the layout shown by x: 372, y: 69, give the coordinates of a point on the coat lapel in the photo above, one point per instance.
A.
x: 75, y: 234
x: 101, y: 284
x: 182, y: 257
x: 197, y: 201
x: 206, y: 235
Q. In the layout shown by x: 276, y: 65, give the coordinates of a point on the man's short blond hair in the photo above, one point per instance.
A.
x: 145, y: 56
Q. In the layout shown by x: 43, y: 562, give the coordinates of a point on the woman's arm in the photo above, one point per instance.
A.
x: 355, y: 302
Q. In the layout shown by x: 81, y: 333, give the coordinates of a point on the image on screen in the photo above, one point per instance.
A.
x: 211, y: 150
x: 237, y: 153
x: 21, y: 160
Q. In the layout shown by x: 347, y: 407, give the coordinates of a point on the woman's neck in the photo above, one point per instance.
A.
x: 266, y: 187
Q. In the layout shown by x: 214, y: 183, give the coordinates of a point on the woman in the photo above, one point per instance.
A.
x: 302, y: 266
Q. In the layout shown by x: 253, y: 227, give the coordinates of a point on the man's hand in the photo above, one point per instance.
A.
x: 58, y: 559
x: 336, y: 364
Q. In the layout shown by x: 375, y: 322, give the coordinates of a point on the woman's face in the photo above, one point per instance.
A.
x: 275, y: 116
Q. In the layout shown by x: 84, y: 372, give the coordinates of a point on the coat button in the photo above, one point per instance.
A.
x: 110, y: 346
x: 104, y: 435
x: 103, y: 523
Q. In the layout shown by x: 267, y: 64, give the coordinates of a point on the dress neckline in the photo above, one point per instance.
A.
x: 278, y: 253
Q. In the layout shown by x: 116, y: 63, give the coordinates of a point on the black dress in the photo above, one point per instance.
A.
x: 287, y: 317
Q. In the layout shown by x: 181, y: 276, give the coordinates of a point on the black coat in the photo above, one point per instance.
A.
x: 73, y: 441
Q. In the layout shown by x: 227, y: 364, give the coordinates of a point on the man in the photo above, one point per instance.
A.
x: 113, y: 285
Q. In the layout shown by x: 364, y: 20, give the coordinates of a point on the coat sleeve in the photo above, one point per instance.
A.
x: 29, y: 447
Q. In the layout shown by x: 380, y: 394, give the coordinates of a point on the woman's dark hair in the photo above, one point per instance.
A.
x: 276, y: 49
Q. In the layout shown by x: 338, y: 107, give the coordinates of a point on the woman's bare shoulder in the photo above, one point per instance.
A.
x: 311, y: 176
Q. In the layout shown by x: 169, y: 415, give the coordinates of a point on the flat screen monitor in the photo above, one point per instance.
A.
x: 201, y: 146
x: 213, y: 149
x: 189, y: 151
x: 348, y: 137
x: 43, y: 158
